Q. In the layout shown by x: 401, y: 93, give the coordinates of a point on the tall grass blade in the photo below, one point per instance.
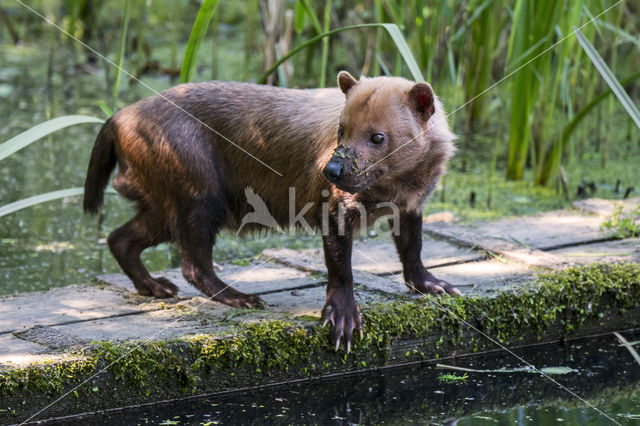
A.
x: 393, y: 10
x: 74, y: 7
x: 325, y: 44
x: 250, y: 28
x: 476, y: 13
x: 315, y: 22
x: 121, y: 49
x: 38, y: 199
x: 421, y: 34
x: 626, y: 344
x: 533, y: 20
x: 299, y: 14
x: 43, y: 198
x: 526, y: 369
x: 105, y: 108
x: 393, y: 31
x: 27, y: 137
x: 198, y: 32
x: 405, y: 52
x: 608, y: 76
x: 625, y: 35
x: 552, y: 160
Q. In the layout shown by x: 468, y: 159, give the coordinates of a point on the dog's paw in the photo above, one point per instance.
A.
x: 240, y: 300
x: 343, y: 314
x: 168, y: 286
x: 438, y: 287
x: 429, y: 284
x: 160, y: 288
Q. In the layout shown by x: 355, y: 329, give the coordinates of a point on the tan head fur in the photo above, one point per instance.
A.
x: 392, y: 132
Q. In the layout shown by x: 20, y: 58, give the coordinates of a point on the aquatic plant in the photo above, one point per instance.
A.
x: 453, y: 378
x: 621, y: 225
x: 198, y: 32
x: 392, y: 30
x: 27, y: 138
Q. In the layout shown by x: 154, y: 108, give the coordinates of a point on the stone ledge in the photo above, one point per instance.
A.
x: 566, y: 304
x: 469, y: 237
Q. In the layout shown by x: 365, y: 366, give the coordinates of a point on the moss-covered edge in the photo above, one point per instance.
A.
x: 263, y: 351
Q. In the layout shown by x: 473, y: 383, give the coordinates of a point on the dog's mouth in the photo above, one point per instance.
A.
x: 358, y: 183
x: 351, y: 189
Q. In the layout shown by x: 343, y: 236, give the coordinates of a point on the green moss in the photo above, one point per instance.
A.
x: 261, y: 345
x: 45, y: 377
x: 144, y: 363
x: 562, y: 300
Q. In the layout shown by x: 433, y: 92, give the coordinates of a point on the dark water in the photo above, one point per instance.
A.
x: 606, y: 377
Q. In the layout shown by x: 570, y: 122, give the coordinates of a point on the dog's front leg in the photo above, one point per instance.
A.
x: 340, y: 308
x: 409, y: 244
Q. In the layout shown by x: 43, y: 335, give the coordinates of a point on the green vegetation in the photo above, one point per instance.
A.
x: 531, y: 34
x: 621, y: 225
x: 453, y: 378
x: 392, y: 29
x: 30, y: 136
x: 198, y: 33
x: 557, y: 304
x: 526, y: 369
x: 628, y: 346
x: 27, y: 138
x: 121, y: 49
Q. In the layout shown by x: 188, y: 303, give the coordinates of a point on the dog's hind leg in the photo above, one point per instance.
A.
x: 196, y: 236
x: 127, y: 243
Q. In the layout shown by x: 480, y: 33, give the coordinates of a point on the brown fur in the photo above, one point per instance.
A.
x: 175, y: 159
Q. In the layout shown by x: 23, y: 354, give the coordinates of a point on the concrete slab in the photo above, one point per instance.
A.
x: 376, y: 256
x: 312, y: 260
x: 309, y: 260
x: 153, y: 325
x: 609, y: 251
x: 486, y: 276
x: 393, y: 284
x: 261, y: 277
x: 309, y: 302
x: 380, y: 257
x: 604, y: 208
x: 50, y: 337
x: 18, y: 351
x: 469, y: 236
x: 543, y: 231
x: 61, y: 305
x: 255, y: 278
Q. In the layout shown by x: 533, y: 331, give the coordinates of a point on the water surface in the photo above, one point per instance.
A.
x: 605, y: 376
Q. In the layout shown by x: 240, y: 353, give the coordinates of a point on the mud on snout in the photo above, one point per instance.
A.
x: 351, y: 170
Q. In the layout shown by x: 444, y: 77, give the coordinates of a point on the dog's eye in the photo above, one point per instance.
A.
x: 377, y: 138
x: 340, y: 131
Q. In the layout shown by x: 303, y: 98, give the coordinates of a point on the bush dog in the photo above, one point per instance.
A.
x: 188, y: 156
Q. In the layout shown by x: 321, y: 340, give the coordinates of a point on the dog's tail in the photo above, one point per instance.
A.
x: 101, y: 164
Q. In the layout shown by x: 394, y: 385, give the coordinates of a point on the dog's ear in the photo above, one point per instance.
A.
x: 422, y: 101
x: 346, y: 81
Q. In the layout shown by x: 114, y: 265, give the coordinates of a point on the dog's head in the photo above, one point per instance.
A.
x: 385, y: 130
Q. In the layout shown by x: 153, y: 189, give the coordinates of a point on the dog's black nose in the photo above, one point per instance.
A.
x: 333, y: 171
